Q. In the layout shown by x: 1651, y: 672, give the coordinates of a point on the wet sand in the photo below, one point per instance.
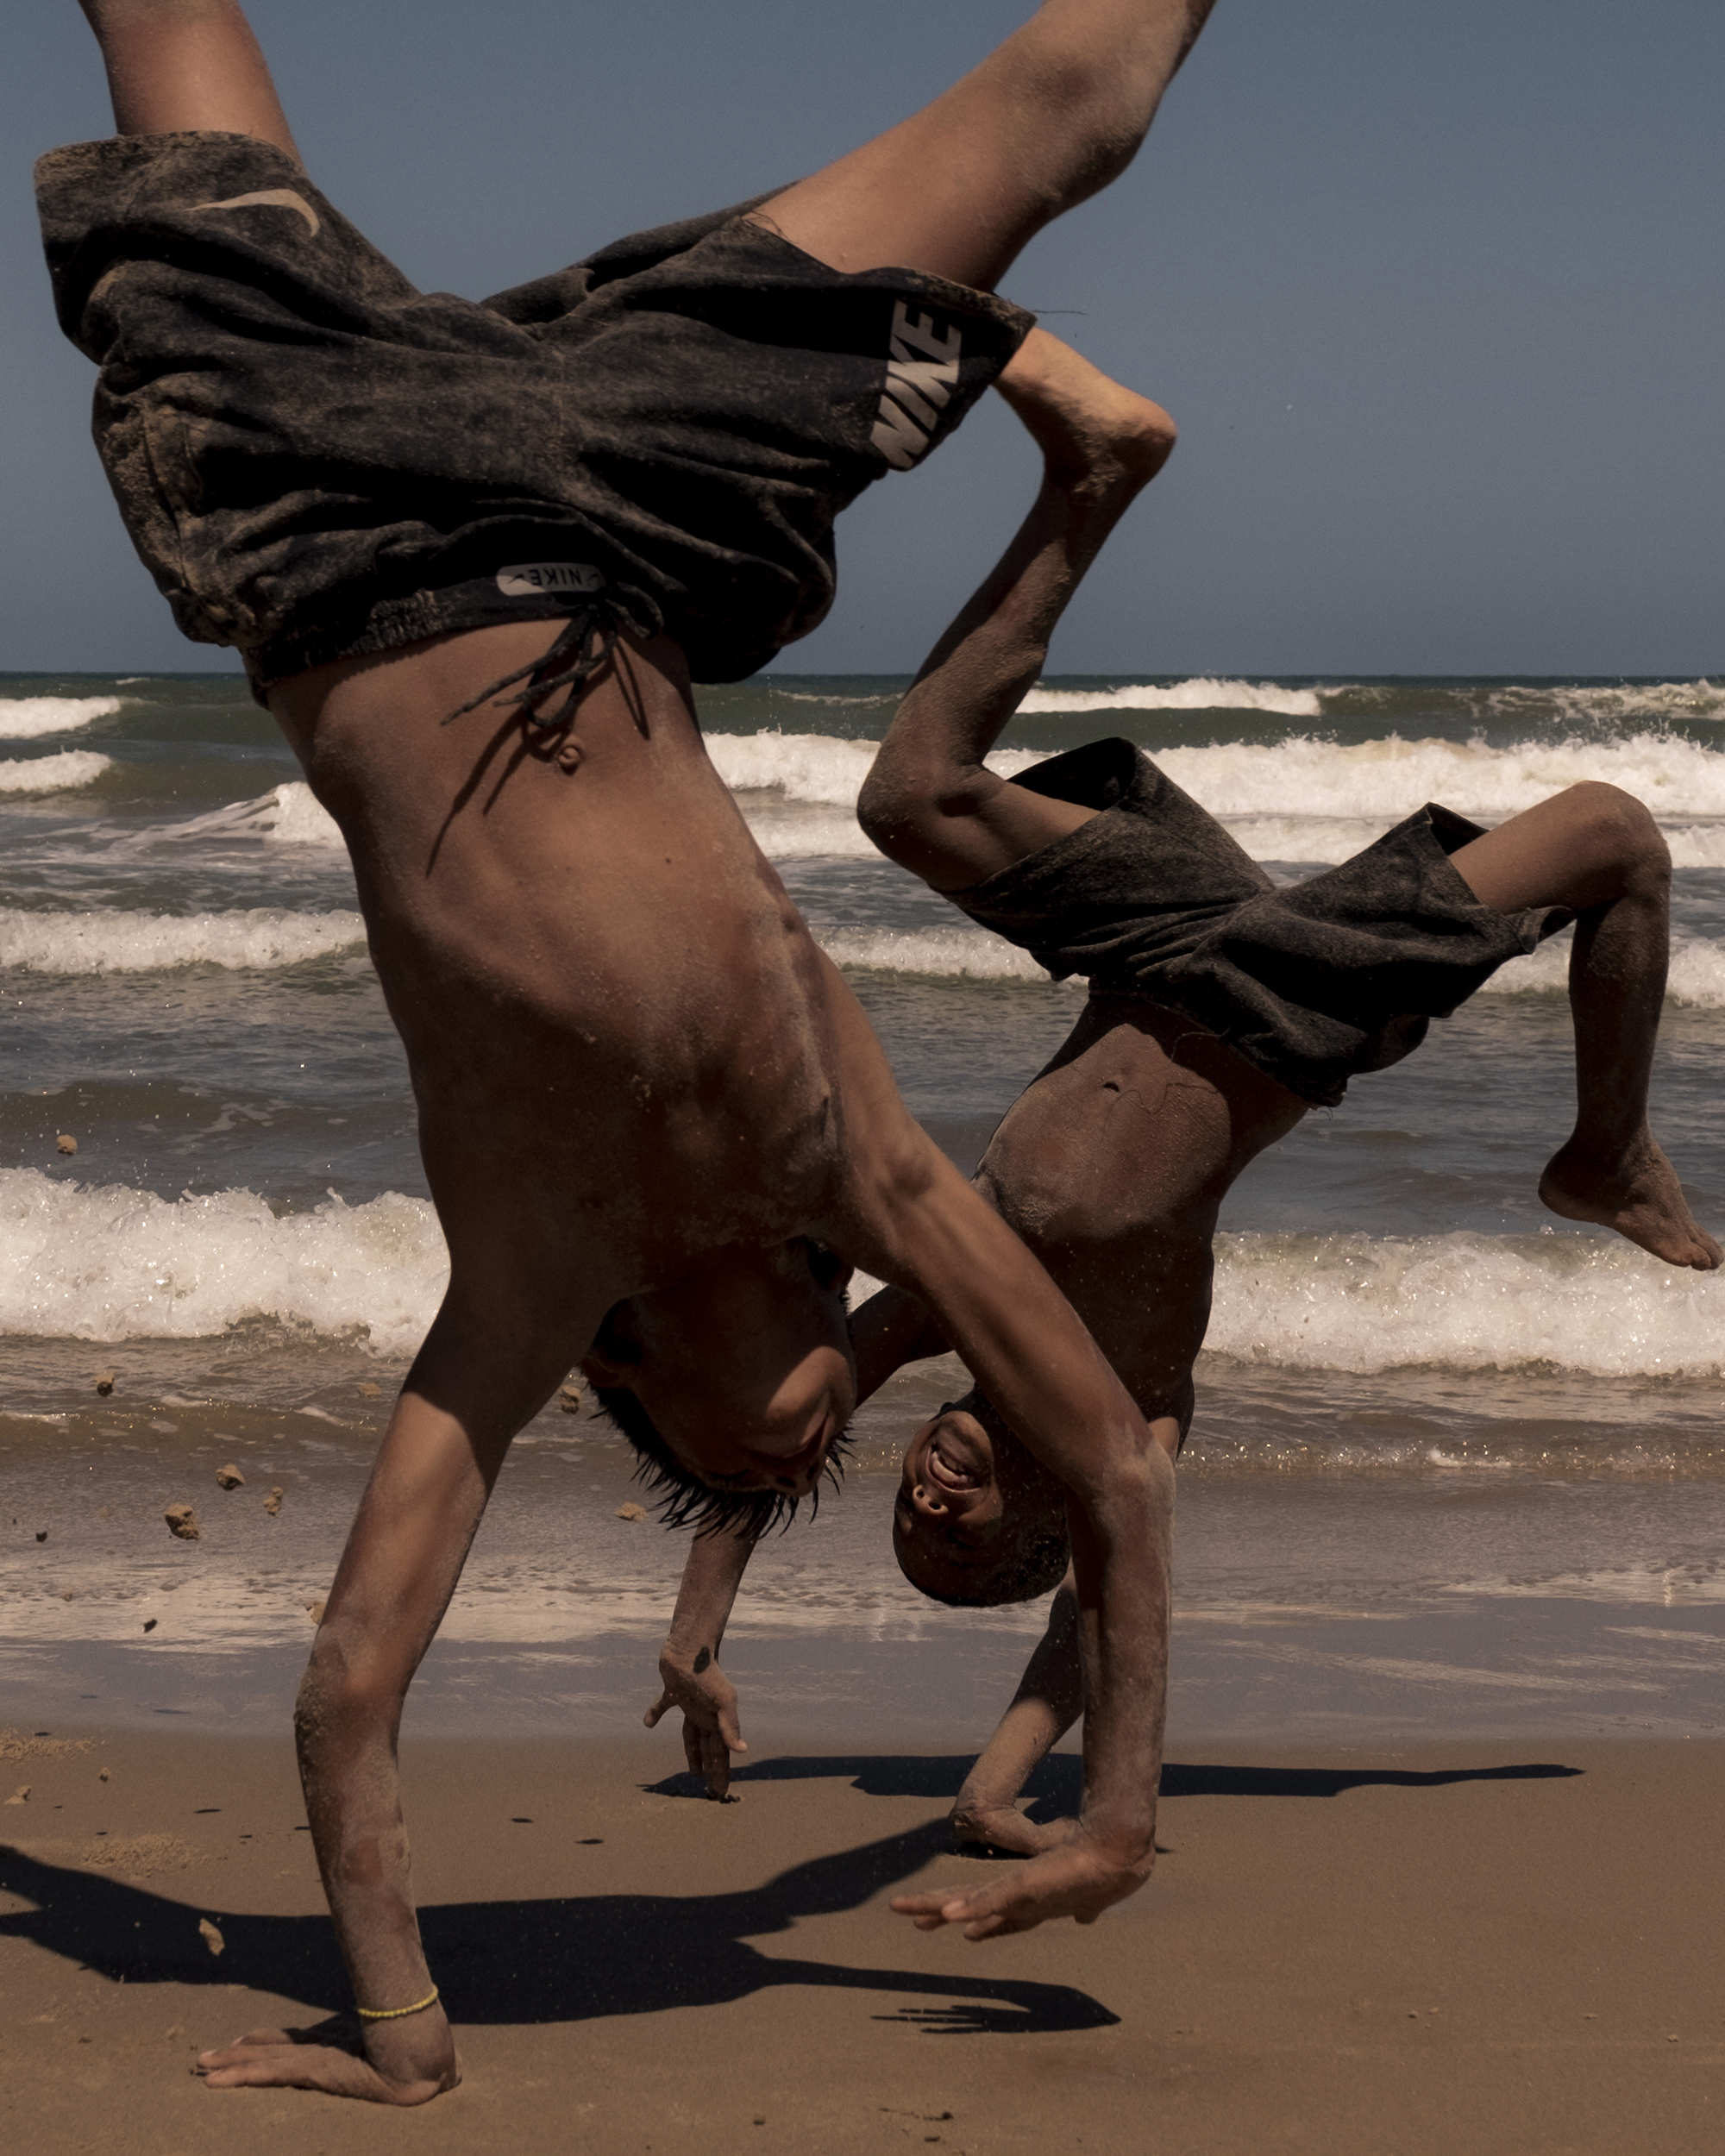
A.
x: 1478, y: 1944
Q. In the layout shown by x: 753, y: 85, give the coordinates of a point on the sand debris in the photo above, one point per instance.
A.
x: 21, y: 1794
x: 150, y: 1624
x: 15, y: 1745
x: 140, y: 1856
x: 66, y: 1143
x: 210, y: 1934
x: 41, y: 1534
x: 272, y: 1502
x: 68, y: 1593
x: 230, y: 1477
x: 103, y: 1775
x: 105, y: 1382
x: 315, y: 1610
x: 182, y: 1521
x: 368, y: 1391
x: 631, y: 1511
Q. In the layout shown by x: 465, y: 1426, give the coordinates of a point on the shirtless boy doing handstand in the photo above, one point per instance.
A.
x: 474, y: 557
x: 1219, y: 1010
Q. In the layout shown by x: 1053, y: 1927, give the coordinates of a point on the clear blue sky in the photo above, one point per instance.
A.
x: 1435, y: 293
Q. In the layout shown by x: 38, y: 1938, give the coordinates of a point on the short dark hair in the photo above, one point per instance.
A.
x: 1019, y: 1574
x: 680, y: 1496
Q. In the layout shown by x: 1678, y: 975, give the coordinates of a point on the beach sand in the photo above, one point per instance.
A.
x: 1476, y: 1944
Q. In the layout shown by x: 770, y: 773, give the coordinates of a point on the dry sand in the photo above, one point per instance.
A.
x: 1472, y: 1945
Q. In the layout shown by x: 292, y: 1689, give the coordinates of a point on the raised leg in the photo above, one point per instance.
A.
x: 929, y: 803
x: 1047, y: 120
x: 176, y: 65
x: 1598, y: 849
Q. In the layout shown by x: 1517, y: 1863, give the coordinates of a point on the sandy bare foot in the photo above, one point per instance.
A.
x: 1092, y: 432
x: 328, y: 2056
x: 1640, y: 1196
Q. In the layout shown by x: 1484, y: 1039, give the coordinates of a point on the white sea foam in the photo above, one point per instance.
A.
x: 25, y: 718
x: 1380, y: 782
x: 107, y: 941
x: 1203, y: 693
x: 117, y: 1263
x: 289, y: 815
x: 1657, y: 700
x: 1291, y: 795
x: 1360, y: 1303
x: 969, y: 954
x: 52, y: 775
x: 1696, y: 981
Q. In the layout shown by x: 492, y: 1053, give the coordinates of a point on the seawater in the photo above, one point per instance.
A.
x: 1417, y: 1386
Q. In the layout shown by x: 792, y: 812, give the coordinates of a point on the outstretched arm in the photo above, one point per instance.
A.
x: 891, y: 1329
x: 910, y: 1217
x: 175, y: 65
x: 929, y: 802
x: 1048, y: 1699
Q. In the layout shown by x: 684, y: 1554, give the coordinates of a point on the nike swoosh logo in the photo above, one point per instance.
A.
x: 268, y: 197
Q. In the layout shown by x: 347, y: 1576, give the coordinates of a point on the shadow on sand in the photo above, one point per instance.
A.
x: 1058, y: 1783
x: 577, y: 1958
x: 586, y: 1957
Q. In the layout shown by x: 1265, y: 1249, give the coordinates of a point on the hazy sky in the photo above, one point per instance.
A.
x: 1433, y: 291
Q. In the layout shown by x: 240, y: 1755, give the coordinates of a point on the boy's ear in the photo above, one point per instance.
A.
x: 610, y: 1370
x: 615, y: 1356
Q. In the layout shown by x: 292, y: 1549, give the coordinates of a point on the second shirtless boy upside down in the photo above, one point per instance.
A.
x: 1219, y: 1010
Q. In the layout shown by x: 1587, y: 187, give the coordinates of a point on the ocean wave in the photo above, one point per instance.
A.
x: 288, y: 815
x: 1338, y: 794
x: 1519, y: 703
x: 115, y: 1264
x: 966, y: 954
x: 1361, y: 1304
x: 1378, y: 782
x: 1204, y: 693
x: 1696, y: 981
x: 25, y: 718
x: 52, y: 774
x: 107, y: 941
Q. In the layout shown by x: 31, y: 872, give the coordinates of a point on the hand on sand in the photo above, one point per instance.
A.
x: 711, y: 1730
x: 1002, y: 1830
x: 1078, y: 1879
x: 411, y: 2069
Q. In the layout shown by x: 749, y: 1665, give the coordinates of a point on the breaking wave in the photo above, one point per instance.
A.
x: 107, y: 941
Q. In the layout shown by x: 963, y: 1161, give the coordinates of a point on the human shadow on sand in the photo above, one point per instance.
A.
x: 1058, y: 1783
x: 579, y: 1957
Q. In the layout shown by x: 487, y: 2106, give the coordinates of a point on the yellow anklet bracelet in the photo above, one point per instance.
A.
x: 397, y: 2013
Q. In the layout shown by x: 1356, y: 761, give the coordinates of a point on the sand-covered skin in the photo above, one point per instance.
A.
x: 1474, y: 1947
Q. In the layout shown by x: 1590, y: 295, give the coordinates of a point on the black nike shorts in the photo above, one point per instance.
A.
x: 1314, y: 983
x: 315, y: 459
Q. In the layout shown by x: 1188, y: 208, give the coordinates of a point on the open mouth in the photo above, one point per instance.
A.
x: 946, y: 1463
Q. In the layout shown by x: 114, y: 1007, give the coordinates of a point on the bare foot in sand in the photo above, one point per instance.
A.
x: 1638, y: 1195
x: 328, y: 2056
x: 1095, y: 437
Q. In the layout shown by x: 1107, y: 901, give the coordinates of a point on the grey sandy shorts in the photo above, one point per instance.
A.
x: 1313, y: 984
x: 316, y: 460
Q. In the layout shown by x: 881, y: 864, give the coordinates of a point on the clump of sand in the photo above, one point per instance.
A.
x: 140, y: 1856
x: 16, y: 1744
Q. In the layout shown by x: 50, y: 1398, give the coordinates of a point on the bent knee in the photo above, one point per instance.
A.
x: 1617, y: 825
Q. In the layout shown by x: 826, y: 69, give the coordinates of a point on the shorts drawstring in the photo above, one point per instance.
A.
x: 583, y: 646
